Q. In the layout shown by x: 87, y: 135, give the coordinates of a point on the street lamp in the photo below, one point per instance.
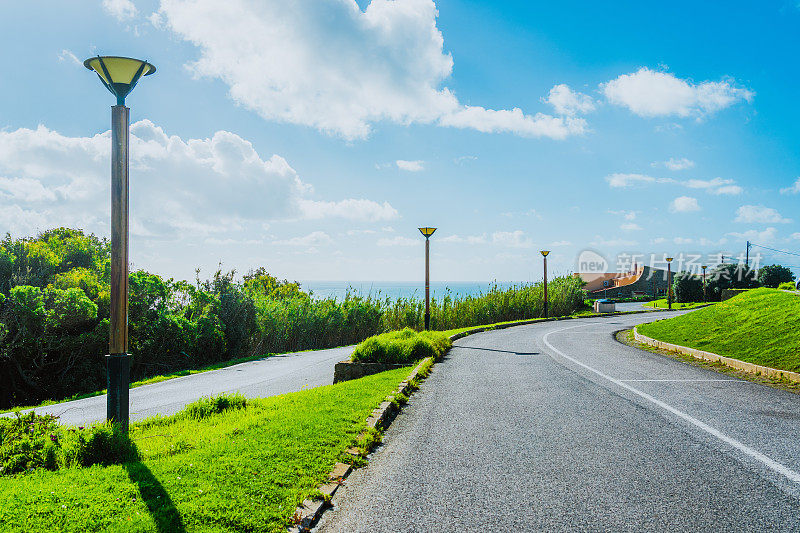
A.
x: 427, y: 232
x: 704, y: 267
x: 119, y: 75
x: 544, y: 258
x: 669, y: 282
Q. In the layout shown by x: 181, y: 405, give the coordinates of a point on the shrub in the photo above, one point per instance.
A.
x: 773, y: 275
x: 212, y: 405
x: 687, y: 287
x: 729, y: 276
x: 402, y: 347
x: 787, y: 286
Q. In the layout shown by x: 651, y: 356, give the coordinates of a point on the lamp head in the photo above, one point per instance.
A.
x: 427, y: 232
x: 119, y: 74
x: 704, y: 267
x: 544, y: 252
x: 669, y: 259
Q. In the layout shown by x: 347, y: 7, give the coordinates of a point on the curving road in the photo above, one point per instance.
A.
x: 277, y: 374
x: 558, y: 427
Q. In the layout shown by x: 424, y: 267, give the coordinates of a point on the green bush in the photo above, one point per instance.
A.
x: 773, y: 275
x: 729, y: 276
x: 402, y: 347
x: 787, y: 286
x: 687, y: 287
x: 212, y: 405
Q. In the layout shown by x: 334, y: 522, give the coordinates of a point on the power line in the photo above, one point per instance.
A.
x: 775, y: 249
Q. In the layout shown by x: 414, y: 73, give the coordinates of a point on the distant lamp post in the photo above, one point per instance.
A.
x: 119, y: 75
x: 544, y: 258
x: 704, y: 267
x: 669, y: 282
x: 427, y: 232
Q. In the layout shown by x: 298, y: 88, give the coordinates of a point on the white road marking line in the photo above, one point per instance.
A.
x: 689, y: 380
x: 755, y: 454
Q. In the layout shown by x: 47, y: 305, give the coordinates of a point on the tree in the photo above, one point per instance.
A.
x: 687, y: 287
x: 773, y: 275
x: 730, y: 276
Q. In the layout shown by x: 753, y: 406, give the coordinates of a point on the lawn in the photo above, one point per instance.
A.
x: 240, y: 470
x: 759, y: 326
x: 662, y: 304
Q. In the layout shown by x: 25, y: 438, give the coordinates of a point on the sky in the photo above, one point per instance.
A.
x: 313, y: 137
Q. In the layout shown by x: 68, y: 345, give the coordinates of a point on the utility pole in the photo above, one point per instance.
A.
x: 747, y: 256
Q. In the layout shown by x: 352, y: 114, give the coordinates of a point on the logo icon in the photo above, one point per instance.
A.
x: 590, y: 262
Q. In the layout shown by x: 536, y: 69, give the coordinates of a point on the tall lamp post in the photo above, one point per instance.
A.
x: 427, y: 232
x: 544, y: 258
x: 119, y: 75
x: 704, y: 267
x: 669, y: 282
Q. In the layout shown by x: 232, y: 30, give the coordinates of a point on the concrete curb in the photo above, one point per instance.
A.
x: 708, y: 356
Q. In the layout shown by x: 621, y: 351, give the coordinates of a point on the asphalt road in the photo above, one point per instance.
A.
x: 278, y: 374
x: 557, y: 427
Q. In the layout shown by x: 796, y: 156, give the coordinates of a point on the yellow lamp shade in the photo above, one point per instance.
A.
x: 119, y: 74
x: 427, y: 231
x: 544, y: 252
x: 669, y: 259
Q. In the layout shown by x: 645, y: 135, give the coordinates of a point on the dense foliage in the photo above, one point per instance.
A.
x: 773, y: 275
x: 402, y: 347
x: 54, y: 309
x: 687, y: 287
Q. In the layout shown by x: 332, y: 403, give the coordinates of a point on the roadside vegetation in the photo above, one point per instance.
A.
x: 663, y: 304
x: 688, y: 286
x: 757, y: 326
x: 222, y: 464
x: 402, y: 347
x: 54, y: 317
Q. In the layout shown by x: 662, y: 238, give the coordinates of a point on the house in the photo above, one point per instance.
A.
x: 640, y: 281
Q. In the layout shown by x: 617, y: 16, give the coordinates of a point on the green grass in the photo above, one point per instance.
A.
x: 662, y: 304
x: 759, y: 326
x: 239, y: 470
x: 401, y: 347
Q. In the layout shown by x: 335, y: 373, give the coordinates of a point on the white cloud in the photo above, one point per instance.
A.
x: 716, y: 186
x: 315, y: 238
x: 512, y: 239
x: 120, y: 9
x: 467, y: 239
x: 560, y: 243
x: 630, y: 226
x: 795, y: 236
x: 675, y: 164
x: 461, y: 160
x: 684, y: 204
x: 766, y: 235
x: 682, y: 240
x: 629, y: 180
x: 205, y: 186
x: 565, y: 101
x: 399, y: 241
x: 651, y: 93
x: 601, y: 242
x: 350, y: 209
x: 332, y: 66
x: 759, y: 214
x: 627, y: 215
x: 794, y: 189
x: 67, y: 55
x: 410, y: 166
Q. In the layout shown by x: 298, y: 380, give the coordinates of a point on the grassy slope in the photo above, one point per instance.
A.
x: 760, y: 326
x: 662, y: 304
x: 242, y: 470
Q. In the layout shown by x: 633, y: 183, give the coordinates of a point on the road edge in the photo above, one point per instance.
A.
x: 709, y: 356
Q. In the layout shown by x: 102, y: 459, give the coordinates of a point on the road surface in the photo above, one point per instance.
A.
x: 558, y: 427
x: 278, y: 374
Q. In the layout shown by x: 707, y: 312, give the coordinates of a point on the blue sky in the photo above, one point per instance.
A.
x: 314, y: 137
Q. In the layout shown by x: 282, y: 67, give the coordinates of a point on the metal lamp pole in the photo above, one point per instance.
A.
x: 669, y: 282
x: 704, y: 282
x: 119, y: 75
x: 546, y: 301
x: 427, y: 232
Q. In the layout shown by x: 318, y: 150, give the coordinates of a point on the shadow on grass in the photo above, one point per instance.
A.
x: 159, y: 504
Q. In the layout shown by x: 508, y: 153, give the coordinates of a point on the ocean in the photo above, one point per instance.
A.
x: 399, y: 289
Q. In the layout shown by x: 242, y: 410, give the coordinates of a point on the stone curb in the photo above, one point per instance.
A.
x: 708, y: 356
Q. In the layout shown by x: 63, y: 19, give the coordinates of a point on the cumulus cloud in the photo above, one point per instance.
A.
x: 565, y: 101
x: 794, y: 189
x: 630, y: 226
x: 759, y: 214
x: 410, y: 166
x: 766, y: 235
x: 684, y: 204
x: 122, y: 10
x: 560, y: 243
x: 205, y: 186
x: 717, y: 186
x: 399, y: 241
x: 315, y: 238
x: 674, y: 163
x: 652, y: 93
x: 621, y: 180
x: 627, y: 215
x: 331, y: 66
x: 795, y: 236
x: 466, y: 239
